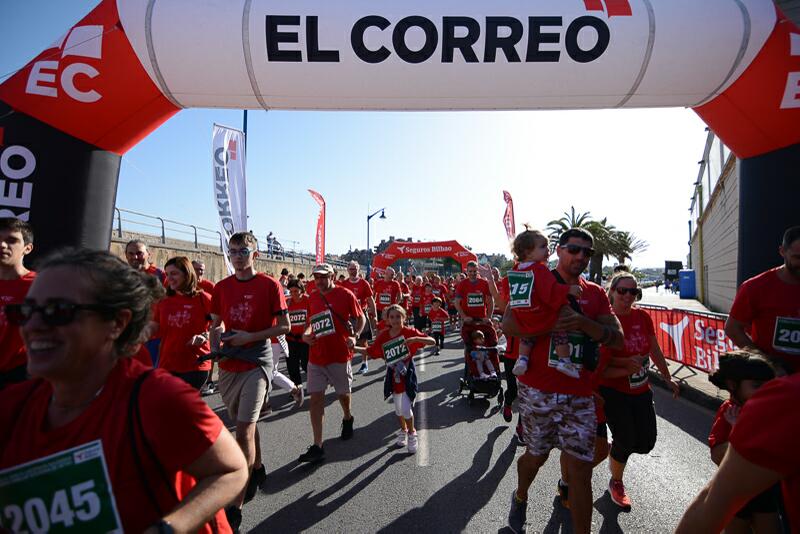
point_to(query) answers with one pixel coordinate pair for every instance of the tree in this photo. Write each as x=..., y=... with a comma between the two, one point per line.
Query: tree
x=605, y=245
x=629, y=245
x=568, y=220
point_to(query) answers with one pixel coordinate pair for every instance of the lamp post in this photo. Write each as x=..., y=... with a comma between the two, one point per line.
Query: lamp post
x=369, y=217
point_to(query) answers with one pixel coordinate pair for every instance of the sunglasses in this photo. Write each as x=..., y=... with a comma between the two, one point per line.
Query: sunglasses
x=633, y=291
x=239, y=252
x=54, y=312
x=575, y=249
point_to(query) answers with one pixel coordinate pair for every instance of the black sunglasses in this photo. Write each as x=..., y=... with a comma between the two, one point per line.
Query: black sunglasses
x=54, y=312
x=575, y=249
x=634, y=291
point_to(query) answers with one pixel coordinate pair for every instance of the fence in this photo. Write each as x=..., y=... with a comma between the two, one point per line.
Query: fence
x=692, y=338
x=168, y=231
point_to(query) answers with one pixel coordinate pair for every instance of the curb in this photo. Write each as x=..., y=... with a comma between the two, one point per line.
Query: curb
x=689, y=393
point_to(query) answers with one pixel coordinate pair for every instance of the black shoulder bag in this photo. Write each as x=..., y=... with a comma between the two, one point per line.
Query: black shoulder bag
x=590, y=350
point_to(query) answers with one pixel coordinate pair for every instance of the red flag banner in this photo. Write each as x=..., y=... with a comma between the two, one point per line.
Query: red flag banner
x=508, y=217
x=695, y=339
x=320, y=226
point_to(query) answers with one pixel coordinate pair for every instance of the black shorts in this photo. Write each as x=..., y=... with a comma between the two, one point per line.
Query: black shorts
x=764, y=503
x=366, y=334
x=602, y=431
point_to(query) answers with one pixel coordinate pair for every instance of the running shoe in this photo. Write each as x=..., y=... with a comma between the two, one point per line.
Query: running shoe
x=234, y=516
x=313, y=455
x=520, y=368
x=563, y=493
x=402, y=439
x=298, y=396
x=507, y=415
x=257, y=477
x=363, y=369
x=347, y=428
x=617, y=491
x=412, y=442
x=518, y=514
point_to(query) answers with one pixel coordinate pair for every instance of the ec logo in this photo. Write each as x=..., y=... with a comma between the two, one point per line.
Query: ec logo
x=83, y=41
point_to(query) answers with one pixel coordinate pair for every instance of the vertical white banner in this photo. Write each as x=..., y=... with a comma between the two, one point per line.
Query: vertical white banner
x=230, y=184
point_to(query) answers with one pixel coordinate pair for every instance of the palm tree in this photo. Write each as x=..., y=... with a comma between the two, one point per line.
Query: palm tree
x=629, y=245
x=568, y=220
x=605, y=245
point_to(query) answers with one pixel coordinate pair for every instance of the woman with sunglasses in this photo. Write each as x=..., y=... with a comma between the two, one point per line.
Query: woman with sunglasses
x=181, y=320
x=628, y=399
x=96, y=441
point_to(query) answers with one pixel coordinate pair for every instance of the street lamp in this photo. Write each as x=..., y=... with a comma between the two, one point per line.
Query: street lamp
x=369, y=217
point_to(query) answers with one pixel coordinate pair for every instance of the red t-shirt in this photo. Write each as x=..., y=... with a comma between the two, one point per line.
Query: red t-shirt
x=541, y=375
x=12, y=350
x=439, y=316
x=143, y=356
x=638, y=329
x=386, y=293
x=360, y=288
x=771, y=308
x=330, y=327
x=179, y=319
x=425, y=304
x=311, y=286
x=440, y=291
x=540, y=301
x=721, y=429
x=249, y=305
x=416, y=294
x=474, y=297
x=178, y=426
x=298, y=315
x=206, y=285
x=766, y=435
x=376, y=350
x=158, y=273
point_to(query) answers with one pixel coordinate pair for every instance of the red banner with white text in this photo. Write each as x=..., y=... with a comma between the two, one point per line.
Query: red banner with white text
x=695, y=339
x=508, y=217
x=320, y=226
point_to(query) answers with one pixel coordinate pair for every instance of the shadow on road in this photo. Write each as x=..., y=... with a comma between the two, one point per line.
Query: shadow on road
x=690, y=418
x=462, y=497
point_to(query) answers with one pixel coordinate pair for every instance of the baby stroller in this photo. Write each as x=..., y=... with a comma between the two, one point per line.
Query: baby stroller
x=478, y=383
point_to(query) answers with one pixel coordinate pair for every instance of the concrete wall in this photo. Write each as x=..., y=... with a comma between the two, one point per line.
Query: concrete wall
x=211, y=256
x=719, y=249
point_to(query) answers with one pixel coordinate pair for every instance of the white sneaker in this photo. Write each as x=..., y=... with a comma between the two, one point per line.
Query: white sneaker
x=412, y=443
x=492, y=375
x=402, y=435
x=520, y=368
x=483, y=376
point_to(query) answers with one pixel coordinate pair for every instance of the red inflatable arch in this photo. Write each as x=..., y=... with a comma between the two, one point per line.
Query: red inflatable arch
x=67, y=117
x=400, y=250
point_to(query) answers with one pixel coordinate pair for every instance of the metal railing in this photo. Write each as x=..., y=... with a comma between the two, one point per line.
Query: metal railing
x=131, y=221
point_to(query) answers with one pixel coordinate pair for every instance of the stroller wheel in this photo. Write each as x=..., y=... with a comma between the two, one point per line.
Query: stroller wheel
x=460, y=385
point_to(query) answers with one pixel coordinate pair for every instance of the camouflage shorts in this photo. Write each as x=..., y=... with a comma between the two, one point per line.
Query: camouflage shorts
x=557, y=421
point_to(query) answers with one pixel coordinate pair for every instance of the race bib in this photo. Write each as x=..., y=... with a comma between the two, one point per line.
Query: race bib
x=520, y=288
x=395, y=350
x=427, y=309
x=298, y=317
x=640, y=378
x=65, y=492
x=787, y=335
x=416, y=298
x=474, y=300
x=576, y=340
x=322, y=324
x=385, y=299
x=437, y=326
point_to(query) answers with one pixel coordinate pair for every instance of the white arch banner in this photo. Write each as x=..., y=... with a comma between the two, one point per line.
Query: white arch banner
x=453, y=54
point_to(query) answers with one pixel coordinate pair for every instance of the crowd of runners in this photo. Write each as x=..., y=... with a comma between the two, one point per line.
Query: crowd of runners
x=94, y=349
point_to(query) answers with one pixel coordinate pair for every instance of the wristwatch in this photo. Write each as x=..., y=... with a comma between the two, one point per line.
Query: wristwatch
x=164, y=527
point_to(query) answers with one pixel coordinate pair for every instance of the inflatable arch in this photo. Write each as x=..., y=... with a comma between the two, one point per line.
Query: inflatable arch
x=400, y=250
x=67, y=118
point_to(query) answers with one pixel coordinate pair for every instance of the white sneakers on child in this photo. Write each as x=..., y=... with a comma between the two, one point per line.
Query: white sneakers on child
x=402, y=436
x=520, y=367
x=412, y=443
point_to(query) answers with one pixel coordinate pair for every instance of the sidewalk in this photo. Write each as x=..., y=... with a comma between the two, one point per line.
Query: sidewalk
x=694, y=383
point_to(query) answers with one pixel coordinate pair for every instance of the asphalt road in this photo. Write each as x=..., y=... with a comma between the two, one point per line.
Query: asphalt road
x=462, y=477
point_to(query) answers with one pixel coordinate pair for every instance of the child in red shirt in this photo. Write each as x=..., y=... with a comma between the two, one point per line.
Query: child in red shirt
x=534, y=289
x=438, y=321
x=742, y=373
x=397, y=345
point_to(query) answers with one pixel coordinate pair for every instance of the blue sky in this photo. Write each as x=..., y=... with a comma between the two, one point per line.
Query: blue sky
x=439, y=175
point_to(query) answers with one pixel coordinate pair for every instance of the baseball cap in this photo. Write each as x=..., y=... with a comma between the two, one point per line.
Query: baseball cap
x=323, y=268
